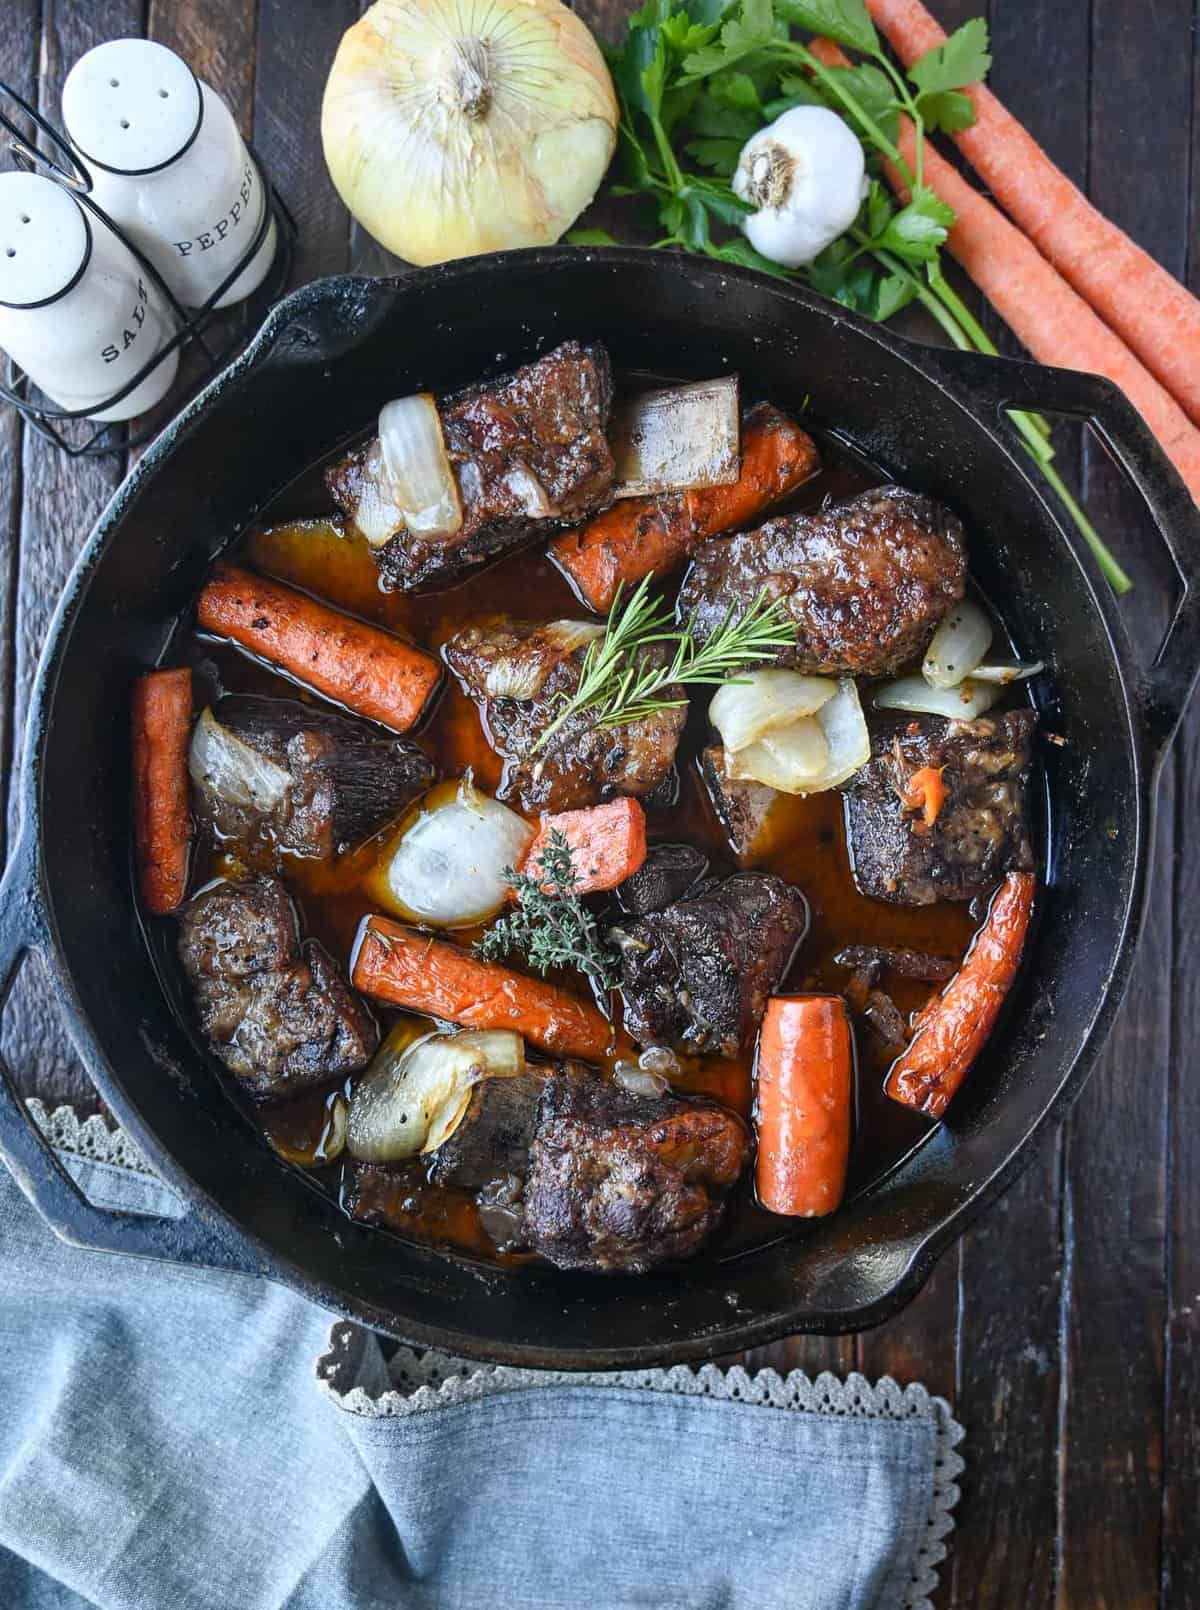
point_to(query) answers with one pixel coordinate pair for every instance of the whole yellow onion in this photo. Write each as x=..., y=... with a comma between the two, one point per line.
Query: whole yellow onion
x=453, y=127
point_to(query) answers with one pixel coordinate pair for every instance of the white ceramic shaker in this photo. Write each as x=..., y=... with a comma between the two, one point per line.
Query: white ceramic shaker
x=77, y=310
x=169, y=167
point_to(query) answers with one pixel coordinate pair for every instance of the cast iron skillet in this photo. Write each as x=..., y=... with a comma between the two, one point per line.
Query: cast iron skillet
x=318, y=371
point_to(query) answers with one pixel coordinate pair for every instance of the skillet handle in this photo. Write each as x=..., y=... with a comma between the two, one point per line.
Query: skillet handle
x=1006, y=383
x=198, y=1237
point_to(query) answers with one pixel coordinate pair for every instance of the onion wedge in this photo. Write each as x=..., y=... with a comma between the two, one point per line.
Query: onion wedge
x=677, y=438
x=958, y=646
x=962, y=703
x=415, y=1093
x=812, y=755
x=750, y=706
x=419, y=474
x=446, y=865
x=1003, y=672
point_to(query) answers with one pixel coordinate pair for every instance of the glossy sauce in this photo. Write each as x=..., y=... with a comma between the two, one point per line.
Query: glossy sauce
x=807, y=846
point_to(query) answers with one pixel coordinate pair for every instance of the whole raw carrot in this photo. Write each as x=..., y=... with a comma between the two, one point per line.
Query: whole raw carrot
x=1035, y=301
x=607, y=843
x=366, y=669
x=1155, y=315
x=951, y=1030
x=802, y=1113
x=640, y=536
x=162, y=822
x=409, y=969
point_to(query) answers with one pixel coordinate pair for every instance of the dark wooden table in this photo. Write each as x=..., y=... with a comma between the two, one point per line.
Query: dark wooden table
x=1065, y=1327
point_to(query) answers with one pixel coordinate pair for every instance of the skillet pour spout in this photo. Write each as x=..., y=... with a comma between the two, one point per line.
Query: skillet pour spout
x=316, y=374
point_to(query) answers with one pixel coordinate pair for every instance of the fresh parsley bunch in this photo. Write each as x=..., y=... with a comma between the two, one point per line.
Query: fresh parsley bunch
x=696, y=79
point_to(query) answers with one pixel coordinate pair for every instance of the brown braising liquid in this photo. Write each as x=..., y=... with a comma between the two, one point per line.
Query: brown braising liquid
x=807, y=847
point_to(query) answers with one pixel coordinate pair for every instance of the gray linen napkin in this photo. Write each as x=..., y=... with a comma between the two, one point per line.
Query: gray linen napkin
x=172, y=1439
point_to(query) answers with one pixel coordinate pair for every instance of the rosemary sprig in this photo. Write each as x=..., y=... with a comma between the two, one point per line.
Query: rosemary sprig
x=551, y=927
x=620, y=681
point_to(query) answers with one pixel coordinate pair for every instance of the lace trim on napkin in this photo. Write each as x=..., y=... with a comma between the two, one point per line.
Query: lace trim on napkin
x=88, y=1137
x=421, y=1381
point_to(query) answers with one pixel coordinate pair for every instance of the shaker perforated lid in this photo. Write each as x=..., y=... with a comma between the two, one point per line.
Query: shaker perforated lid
x=131, y=106
x=45, y=240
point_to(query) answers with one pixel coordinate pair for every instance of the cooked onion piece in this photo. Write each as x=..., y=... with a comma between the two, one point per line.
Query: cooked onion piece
x=521, y=673
x=446, y=865
x=222, y=765
x=812, y=755
x=1003, y=672
x=683, y=436
x=958, y=646
x=759, y=702
x=419, y=473
x=415, y=1093
x=962, y=703
x=787, y=760
x=377, y=514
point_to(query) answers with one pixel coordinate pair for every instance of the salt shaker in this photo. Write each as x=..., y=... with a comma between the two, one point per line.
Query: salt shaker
x=77, y=311
x=169, y=167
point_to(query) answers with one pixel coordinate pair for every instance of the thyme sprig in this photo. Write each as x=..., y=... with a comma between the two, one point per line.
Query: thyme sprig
x=551, y=927
x=622, y=683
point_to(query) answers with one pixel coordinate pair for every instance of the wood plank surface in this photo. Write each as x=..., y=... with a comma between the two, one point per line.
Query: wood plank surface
x=1065, y=1326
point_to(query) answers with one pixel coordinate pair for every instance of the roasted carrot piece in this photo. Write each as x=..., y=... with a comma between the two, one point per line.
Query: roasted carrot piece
x=409, y=969
x=162, y=823
x=366, y=669
x=607, y=843
x=925, y=791
x=1148, y=308
x=950, y=1032
x=640, y=536
x=805, y=1078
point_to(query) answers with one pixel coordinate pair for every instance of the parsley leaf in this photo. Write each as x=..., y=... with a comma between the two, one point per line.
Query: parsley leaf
x=741, y=252
x=718, y=154
x=962, y=60
x=918, y=230
x=894, y=293
x=748, y=31
x=946, y=109
x=847, y=21
x=880, y=209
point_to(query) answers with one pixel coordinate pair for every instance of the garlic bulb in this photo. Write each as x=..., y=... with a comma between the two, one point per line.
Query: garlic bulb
x=453, y=127
x=806, y=176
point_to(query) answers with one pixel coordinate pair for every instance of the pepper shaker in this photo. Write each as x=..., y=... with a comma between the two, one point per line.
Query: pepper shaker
x=77, y=311
x=169, y=167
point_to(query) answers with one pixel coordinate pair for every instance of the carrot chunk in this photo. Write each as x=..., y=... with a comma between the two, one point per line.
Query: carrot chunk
x=162, y=823
x=925, y=791
x=409, y=969
x=641, y=536
x=951, y=1030
x=805, y=1079
x=366, y=669
x=607, y=843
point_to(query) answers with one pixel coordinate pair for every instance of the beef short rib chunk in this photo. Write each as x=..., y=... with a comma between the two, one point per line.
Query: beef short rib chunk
x=865, y=582
x=530, y=454
x=982, y=829
x=346, y=779
x=696, y=976
x=619, y=1183
x=669, y=872
x=742, y=806
x=583, y=764
x=492, y=1139
x=279, y=1014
